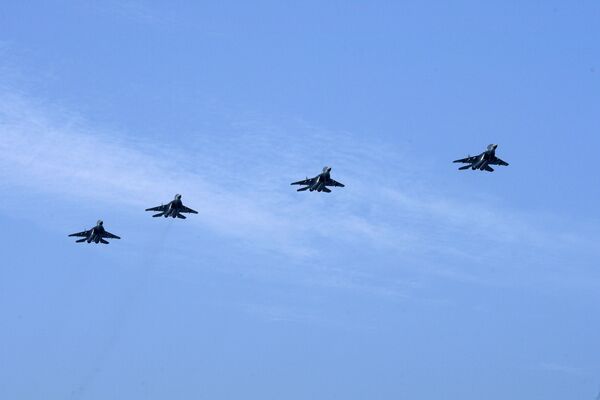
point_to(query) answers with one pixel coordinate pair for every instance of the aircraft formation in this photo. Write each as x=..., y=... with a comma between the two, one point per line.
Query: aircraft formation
x=320, y=183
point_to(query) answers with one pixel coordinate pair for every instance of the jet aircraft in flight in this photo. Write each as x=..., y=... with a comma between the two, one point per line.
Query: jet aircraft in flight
x=173, y=209
x=483, y=161
x=97, y=235
x=319, y=182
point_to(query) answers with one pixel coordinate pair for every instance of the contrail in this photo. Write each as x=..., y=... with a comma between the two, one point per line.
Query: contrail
x=150, y=260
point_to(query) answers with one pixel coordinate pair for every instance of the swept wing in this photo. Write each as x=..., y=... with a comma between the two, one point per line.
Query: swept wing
x=331, y=182
x=469, y=160
x=109, y=235
x=80, y=234
x=185, y=209
x=498, y=161
x=159, y=208
x=305, y=182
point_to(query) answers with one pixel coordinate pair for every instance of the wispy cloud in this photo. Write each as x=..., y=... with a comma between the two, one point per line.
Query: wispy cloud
x=132, y=10
x=64, y=157
x=240, y=184
x=560, y=368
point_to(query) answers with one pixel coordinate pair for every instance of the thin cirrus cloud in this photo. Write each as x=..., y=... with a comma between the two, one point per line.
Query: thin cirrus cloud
x=240, y=183
x=560, y=368
x=58, y=155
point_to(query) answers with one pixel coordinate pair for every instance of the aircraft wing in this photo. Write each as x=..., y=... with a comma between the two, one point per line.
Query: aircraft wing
x=185, y=209
x=498, y=161
x=468, y=160
x=80, y=234
x=109, y=235
x=159, y=208
x=331, y=182
x=304, y=182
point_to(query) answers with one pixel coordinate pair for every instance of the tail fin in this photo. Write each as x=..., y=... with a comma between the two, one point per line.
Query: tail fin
x=465, y=167
x=103, y=241
x=81, y=240
x=180, y=216
x=158, y=215
x=303, y=189
x=326, y=190
x=489, y=169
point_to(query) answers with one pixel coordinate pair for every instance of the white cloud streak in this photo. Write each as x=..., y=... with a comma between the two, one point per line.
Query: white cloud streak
x=560, y=368
x=240, y=185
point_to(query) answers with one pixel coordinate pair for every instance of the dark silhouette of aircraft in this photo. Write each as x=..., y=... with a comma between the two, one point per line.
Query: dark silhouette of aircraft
x=483, y=161
x=319, y=183
x=97, y=235
x=173, y=209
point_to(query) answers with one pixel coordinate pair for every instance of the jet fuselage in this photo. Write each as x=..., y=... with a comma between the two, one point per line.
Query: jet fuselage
x=96, y=233
x=174, y=207
x=485, y=158
x=321, y=180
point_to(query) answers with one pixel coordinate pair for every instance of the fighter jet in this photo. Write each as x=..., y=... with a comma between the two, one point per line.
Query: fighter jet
x=172, y=209
x=319, y=182
x=483, y=161
x=97, y=235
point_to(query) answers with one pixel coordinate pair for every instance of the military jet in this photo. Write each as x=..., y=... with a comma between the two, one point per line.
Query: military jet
x=319, y=182
x=173, y=209
x=483, y=161
x=97, y=235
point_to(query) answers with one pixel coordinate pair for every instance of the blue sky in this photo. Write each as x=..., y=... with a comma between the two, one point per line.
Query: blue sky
x=415, y=281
